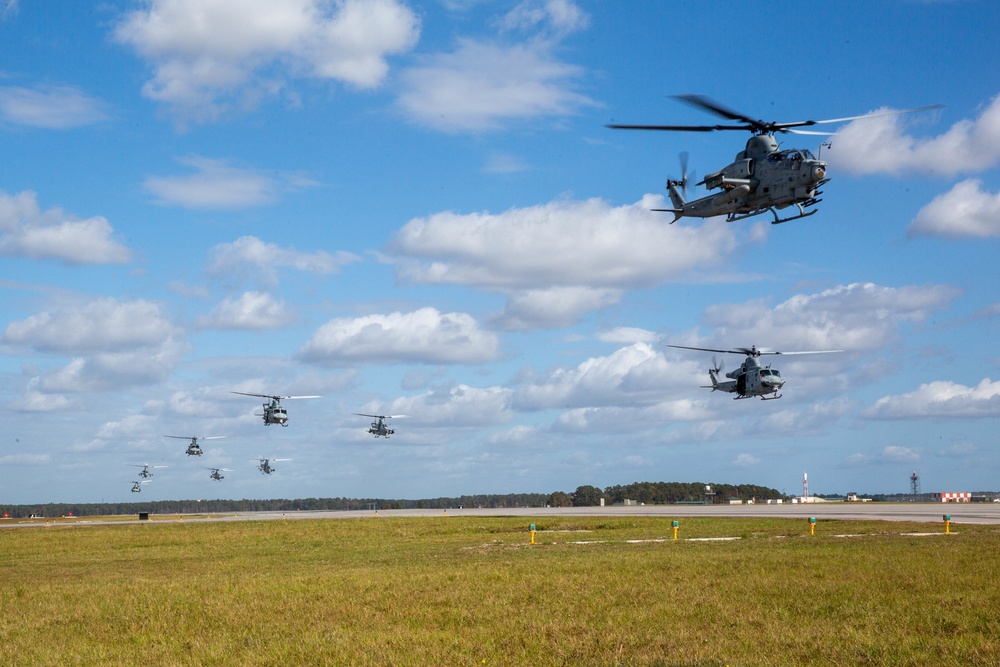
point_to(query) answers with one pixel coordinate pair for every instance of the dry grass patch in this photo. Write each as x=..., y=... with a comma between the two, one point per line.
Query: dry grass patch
x=455, y=590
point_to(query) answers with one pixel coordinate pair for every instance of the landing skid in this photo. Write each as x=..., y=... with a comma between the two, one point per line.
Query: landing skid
x=776, y=396
x=732, y=217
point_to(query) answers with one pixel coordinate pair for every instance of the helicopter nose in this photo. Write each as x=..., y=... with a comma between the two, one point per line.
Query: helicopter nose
x=819, y=171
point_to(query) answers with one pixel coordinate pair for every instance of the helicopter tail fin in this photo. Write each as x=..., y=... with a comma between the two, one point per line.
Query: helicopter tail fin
x=676, y=211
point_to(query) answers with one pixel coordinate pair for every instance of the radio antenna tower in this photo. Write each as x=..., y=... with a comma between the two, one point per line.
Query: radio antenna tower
x=915, y=484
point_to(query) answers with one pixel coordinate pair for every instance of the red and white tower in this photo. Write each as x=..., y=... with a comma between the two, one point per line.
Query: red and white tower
x=805, y=485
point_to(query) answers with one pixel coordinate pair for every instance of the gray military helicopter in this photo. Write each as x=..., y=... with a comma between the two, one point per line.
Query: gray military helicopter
x=264, y=465
x=750, y=379
x=274, y=412
x=137, y=485
x=380, y=428
x=216, y=473
x=193, y=448
x=762, y=178
x=145, y=472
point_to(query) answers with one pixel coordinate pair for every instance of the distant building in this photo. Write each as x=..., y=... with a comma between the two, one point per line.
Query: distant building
x=957, y=497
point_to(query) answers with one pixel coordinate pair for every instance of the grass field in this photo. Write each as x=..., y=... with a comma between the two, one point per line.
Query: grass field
x=472, y=591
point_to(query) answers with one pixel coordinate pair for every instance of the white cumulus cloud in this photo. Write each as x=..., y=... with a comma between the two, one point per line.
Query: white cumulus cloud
x=480, y=87
x=636, y=374
x=248, y=257
x=218, y=185
x=51, y=107
x=102, y=325
x=558, y=259
x=940, y=399
x=210, y=55
x=859, y=316
x=881, y=145
x=27, y=231
x=425, y=335
x=251, y=311
x=965, y=211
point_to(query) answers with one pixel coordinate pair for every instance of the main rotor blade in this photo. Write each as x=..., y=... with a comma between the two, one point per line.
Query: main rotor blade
x=680, y=128
x=707, y=349
x=874, y=114
x=713, y=106
x=243, y=393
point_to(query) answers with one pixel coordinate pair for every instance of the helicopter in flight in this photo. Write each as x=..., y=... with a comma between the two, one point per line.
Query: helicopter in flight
x=379, y=427
x=264, y=465
x=137, y=485
x=145, y=472
x=274, y=412
x=750, y=379
x=762, y=178
x=216, y=473
x=193, y=448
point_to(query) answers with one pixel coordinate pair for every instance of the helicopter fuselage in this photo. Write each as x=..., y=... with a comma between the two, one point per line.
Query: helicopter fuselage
x=749, y=380
x=760, y=179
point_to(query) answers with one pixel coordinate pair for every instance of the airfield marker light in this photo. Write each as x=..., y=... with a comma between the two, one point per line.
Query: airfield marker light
x=812, y=526
x=676, y=526
x=532, y=529
x=947, y=524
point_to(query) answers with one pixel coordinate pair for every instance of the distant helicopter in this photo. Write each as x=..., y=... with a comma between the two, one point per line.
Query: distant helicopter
x=144, y=473
x=264, y=465
x=193, y=449
x=273, y=413
x=380, y=428
x=137, y=486
x=761, y=178
x=750, y=379
x=216, y=473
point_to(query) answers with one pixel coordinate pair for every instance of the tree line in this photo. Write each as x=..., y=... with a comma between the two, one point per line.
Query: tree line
x=648, y=493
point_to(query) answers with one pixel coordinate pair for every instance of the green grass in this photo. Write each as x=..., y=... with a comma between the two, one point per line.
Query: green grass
x=472, y=591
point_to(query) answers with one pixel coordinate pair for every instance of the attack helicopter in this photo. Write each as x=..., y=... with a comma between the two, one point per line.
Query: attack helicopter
x=137, y=485
x=274, y=412
x=216, y=473
x=762, y=178
x=380, y=428
x=145, y=472
x=264, y=465
x=193, y=448
x=750, y=379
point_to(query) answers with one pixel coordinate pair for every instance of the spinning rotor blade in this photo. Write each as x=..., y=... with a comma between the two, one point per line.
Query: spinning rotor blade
x=272, y=396
x=755, y=126
x=804, y=352
x=705, y=103
x=243, y=393
x=751, y=351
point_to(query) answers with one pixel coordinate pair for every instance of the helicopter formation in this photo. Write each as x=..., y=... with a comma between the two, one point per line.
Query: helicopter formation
x=273, y=413
x=762, y=178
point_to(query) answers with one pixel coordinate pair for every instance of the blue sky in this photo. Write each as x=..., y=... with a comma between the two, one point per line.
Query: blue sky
x=415, y=208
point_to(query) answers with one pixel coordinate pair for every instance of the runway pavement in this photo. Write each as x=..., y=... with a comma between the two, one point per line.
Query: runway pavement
x=967, y=513
x=980, y=513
